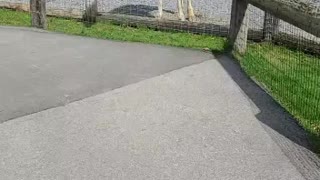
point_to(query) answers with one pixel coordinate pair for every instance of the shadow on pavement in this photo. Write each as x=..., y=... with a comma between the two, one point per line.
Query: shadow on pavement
x=278, y=123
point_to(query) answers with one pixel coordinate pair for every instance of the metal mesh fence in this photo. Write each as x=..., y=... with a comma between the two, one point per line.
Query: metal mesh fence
x=286, y=62
x=210, y=17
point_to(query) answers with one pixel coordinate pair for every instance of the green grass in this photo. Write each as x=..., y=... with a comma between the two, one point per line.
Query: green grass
x=14, y=18
x=292, y=77
x=110, y=31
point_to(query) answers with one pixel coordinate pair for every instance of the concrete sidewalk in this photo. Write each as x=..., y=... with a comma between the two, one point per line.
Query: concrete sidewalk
x=44, y=70
x=191, y=123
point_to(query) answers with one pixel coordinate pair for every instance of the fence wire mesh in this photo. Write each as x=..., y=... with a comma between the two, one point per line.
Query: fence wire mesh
x=286, y=62
x=210, y=17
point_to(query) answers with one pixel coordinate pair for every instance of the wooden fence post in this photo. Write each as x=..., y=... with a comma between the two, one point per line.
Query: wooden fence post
x=238, y=34
x=270, y=26
x=38, y=13
x=91, y=11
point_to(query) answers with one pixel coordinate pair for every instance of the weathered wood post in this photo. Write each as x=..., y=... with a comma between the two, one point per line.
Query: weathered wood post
x=238, y=34
x=91, y=11
x=270, y=26
x=38, y=13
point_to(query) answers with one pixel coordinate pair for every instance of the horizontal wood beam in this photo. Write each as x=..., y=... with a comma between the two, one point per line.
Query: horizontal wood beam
x=300, y=13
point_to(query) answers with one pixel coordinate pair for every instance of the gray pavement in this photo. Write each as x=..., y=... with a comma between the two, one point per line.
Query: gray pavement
x=195, y=122
x=43, y=70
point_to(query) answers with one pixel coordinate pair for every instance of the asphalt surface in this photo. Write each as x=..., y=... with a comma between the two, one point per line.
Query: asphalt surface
x=44, y=70
x=149, y=118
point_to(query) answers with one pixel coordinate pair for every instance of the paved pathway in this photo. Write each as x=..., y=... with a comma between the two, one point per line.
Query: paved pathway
x=42, y=70
x=146, y=116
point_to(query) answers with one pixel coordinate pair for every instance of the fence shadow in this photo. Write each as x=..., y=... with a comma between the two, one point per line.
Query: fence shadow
x=278, y=123
x=137, y=10
x=271, y=113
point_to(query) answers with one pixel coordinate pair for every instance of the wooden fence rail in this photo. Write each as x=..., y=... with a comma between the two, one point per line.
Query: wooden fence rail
x=297, y=12
x=300, y=13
